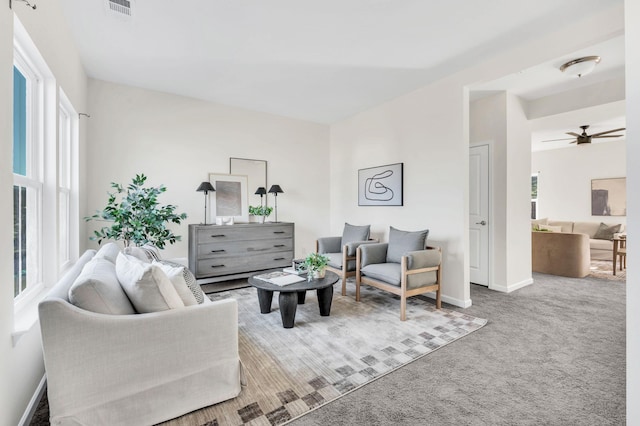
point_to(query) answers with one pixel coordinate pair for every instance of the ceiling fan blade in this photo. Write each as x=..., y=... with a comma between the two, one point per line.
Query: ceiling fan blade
x=608, y=131
x=575, y=141
x=607, y=136
x=554, y=140
x=574, y=134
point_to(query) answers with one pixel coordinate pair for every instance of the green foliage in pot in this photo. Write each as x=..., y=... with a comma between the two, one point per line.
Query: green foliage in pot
x=260, y=210
x=315, y=262
x=137, y=216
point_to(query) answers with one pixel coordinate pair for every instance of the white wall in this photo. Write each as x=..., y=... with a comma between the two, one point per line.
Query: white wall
x=178, y=141
x=21, y=368
x=564, y=183
x=632, y=32
x=428, y=138
x=499, y=121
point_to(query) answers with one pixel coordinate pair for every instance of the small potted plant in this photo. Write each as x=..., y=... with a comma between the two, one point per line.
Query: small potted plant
x=260, y=212
x=315, y=264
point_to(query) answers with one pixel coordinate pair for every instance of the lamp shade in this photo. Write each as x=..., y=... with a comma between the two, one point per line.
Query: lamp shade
x=206, y=187
x=275, y=189
x=261, y=191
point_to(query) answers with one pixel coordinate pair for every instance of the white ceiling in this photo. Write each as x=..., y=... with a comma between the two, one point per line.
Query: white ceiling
x=315, y=60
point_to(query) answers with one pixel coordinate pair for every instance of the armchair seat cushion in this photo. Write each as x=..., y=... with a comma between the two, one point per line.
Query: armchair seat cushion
x=335, y=260
x=390, y=273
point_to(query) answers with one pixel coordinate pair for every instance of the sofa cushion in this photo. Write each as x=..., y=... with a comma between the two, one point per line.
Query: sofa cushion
x=108, y=251
x=387, y=272
x=353, y=233
x=589, y=228
x=605, y=232
x=146, y=285
x=186, y=278
x=601, y=245
x=566, y=226
x=97, y=289
x=536, y=222
x=402, y=242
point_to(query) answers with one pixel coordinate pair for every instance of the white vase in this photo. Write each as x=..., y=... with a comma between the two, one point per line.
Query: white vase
x=260, y=219
x=315, y=274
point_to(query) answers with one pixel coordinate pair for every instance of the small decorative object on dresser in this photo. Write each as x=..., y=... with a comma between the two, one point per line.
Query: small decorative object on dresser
x=221, y=253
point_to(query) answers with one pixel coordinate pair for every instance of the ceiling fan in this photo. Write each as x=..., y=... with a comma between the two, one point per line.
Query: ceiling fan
x=585, y=138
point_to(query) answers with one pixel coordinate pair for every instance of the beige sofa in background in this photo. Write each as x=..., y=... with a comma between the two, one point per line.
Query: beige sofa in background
x=600, y=249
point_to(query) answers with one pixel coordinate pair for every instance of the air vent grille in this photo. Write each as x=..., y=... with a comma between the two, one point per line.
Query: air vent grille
x=120, y=6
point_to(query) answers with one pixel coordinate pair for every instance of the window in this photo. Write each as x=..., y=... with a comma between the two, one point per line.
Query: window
x=534, y=196
x=67, y=205
x=27, y=177
x=45, y=175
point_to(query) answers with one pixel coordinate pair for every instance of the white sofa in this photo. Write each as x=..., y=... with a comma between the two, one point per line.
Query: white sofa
x=600, y=249
x=136, y=369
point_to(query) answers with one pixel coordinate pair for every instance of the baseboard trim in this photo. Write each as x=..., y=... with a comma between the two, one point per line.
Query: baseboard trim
x=33, y=403
x=450, y=300
x=512, y=287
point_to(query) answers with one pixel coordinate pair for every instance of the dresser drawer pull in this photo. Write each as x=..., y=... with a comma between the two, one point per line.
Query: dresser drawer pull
x=279, y=245
x=278, y=232
x=218, y=236
x=279, y=258
x=217, y=266
x=218, y=251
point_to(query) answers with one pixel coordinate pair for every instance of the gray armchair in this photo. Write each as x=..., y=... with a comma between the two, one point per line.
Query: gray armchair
x=396, y=268
x=341, y=251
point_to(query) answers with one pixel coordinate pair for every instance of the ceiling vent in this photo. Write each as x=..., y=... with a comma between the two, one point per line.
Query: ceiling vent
x=119, y=7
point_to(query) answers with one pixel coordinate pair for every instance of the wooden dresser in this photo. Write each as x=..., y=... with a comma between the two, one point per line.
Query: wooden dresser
x=225, y=252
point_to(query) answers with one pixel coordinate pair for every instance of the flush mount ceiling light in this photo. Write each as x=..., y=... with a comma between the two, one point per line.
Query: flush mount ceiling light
x=581, y=66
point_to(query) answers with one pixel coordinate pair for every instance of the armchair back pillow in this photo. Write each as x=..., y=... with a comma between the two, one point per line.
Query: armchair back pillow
x=402, y=242
x=353, y=233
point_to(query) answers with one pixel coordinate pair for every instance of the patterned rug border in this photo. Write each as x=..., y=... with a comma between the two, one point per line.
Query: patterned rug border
x=486, y=321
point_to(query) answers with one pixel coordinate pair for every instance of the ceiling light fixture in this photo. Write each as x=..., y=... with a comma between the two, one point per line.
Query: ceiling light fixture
x=581, y=66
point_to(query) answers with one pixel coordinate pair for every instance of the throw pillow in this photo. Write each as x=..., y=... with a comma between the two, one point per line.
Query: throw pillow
x=605, y=232
x=353, y=233
x=549, y=228
x=97, y=289
x=536, y=222
x=176, y=275
x=146, y=253
x=147, y=286
x=401, y=242
x=108, y=251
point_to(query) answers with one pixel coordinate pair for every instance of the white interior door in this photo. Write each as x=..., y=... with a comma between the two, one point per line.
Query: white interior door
x=479, y=214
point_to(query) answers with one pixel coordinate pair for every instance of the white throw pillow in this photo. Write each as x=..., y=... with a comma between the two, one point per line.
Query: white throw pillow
x=108, y=251
x=176, y=276
x=148, y=287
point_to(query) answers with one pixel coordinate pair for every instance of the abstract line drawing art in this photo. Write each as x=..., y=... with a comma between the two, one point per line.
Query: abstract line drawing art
x=380, y=186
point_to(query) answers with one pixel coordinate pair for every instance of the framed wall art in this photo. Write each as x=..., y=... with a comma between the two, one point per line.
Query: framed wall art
x=609, y=197
x=230, y=198
x=381, y=186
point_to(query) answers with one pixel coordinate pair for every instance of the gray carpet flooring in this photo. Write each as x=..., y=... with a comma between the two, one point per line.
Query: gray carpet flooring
x=553, y=353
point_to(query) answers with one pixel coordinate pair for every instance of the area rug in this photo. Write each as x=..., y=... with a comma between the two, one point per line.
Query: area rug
x=604, y=269
x=293, y=371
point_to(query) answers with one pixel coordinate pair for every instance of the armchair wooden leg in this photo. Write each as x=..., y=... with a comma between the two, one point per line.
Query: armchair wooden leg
x=403, y=308
x=438, y=300
x=344, y=284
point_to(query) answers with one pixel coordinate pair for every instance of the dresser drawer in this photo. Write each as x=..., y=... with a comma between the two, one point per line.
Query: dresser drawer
x=246, y=248
x=227, y=264
x=231, y=233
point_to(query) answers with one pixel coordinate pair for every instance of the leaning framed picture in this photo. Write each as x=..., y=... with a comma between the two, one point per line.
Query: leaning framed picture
x=381, y=185
x=609, y=197
x=230, y=199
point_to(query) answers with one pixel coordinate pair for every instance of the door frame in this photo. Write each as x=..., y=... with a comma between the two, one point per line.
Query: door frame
x=489, y=144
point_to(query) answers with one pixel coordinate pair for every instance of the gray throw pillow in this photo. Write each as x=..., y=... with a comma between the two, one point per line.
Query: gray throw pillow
x=353, y=233
x=605, y=232
x=402, y=242
x=189, y=279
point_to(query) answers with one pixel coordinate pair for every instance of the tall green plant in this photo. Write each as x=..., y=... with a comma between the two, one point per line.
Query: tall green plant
x=138, y=218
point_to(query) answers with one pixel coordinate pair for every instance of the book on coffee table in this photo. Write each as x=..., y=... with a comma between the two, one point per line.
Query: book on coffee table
x=280, y=278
